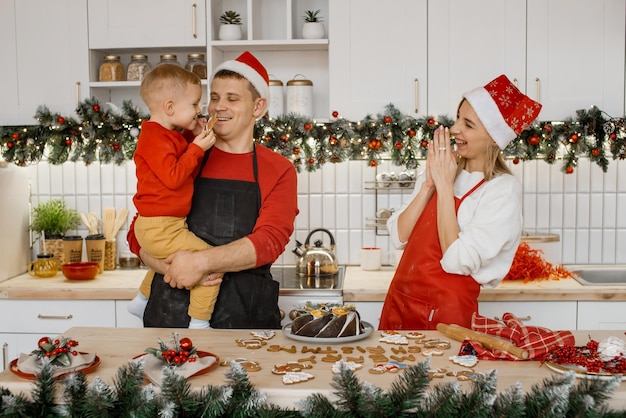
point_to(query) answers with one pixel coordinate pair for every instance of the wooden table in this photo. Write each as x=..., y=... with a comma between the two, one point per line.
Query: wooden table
x=115, y=346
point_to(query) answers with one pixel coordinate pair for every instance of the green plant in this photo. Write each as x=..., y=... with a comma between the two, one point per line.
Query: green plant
x=311, y=16
x=54, y=218
x=230, y=17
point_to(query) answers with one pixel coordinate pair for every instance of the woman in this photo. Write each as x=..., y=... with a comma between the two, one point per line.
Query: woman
x=462, y=225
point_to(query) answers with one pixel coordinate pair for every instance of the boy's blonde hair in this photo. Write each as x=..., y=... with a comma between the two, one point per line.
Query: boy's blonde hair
x=165, y=81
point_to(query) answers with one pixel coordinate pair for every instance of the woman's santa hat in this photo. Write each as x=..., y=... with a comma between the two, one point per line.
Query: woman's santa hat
x=503, y=110
x=249, y=67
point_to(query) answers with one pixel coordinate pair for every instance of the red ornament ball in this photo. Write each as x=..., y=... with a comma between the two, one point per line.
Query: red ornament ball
x=534, y=140
x=60, y=120
x=595, y=152
x=411, y=133
x=68, y=141
x=398, y=145
x=373, y=163
x=96, y=108
x=310, y=161
x=116, y=147
x=569, y=169
x=307, y=126
x=15, y=136
x=284, y=138
x=332, y=140
x=42, y=341
x=547, y=127
x=612, y=136
x=573, y=138
x=515, y=160
x=387, y=119
x=268, y=138
x=185, y=343
x=335, y=114
x=296, y=150
x=430, y=122
x=10, y=145
x=374, y=144
x=424, y=144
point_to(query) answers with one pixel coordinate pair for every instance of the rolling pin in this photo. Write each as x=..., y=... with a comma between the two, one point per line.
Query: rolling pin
x=460, y=333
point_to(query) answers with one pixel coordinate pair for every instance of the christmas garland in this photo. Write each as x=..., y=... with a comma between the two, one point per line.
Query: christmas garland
x=110, y=135
x=411, y=395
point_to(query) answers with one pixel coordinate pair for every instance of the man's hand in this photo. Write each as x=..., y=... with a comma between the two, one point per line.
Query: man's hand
x=185, y=271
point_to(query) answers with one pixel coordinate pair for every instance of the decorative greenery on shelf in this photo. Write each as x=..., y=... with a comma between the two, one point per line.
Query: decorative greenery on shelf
x=110, y=135
x=230, y=17
x=54, y=218
x=410, y=395
x=311, y=16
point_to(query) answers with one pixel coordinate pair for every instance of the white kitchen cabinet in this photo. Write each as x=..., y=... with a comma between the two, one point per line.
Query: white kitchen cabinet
x=46, y=58
x=601, y=315
x=576, y=56
x=378, y=55
x=123, y=318
x=369, y=312
x=549, y=314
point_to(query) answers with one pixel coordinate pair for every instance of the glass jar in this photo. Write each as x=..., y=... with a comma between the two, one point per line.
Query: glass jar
x=169, y=58
x=197, y=65
x=112, y=69
x=138, y=67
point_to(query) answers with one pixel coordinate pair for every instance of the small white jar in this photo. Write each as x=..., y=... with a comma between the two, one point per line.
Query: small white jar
x=277, y=102
x=300, y=96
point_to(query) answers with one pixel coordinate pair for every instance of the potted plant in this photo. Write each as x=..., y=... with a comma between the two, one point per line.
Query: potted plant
x=230, y=28
x=313, y=28
x=53, y=219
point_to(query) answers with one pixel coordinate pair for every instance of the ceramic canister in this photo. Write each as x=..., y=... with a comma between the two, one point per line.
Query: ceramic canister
x=277, y=103
x=300, y=96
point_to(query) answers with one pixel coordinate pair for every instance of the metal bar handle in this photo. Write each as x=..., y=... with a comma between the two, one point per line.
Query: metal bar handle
x=77, y=90
x=515, y=82
x=40, y=316
x=5, y=355
x=417, y=94
x=523, y=318
x=194, y=31
x=538, y=81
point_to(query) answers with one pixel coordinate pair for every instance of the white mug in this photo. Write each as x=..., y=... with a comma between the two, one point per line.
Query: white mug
x=371, y=258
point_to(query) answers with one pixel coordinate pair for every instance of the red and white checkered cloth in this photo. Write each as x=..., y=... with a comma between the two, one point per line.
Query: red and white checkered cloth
x=537, y=341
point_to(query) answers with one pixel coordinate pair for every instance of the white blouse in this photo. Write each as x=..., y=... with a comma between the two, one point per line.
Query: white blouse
x=490, y=227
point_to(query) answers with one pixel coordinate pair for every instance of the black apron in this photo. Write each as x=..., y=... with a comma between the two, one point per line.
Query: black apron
x=222, y=211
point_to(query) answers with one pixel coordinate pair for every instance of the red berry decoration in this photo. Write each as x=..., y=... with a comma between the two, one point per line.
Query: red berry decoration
x=573, y=138
x=430, y=122
x=178, y=352
x=10, y=145
x=307, y=126
x=534, y=140
x=411, y=133
x=374, y=144
x=268, y=138
x=310, y=161
x=515, y=160
x=424, y=144
x=60, y=120
x=58, y=351
x=332, y=140
x=569, y=169
x=612, y=136
x=387, y=119
x=398, y=145
x=96, y=108
x=284, y=138
x=547, y=127
x=68, y=142
x=335, y=114
x=42, y=341
x=116, y=147
x=373, y=163
x=595, y=152
x=15, y=136
x=296, y=150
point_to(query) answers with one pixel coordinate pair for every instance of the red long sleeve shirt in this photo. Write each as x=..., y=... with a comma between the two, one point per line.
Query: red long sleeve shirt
x=166, y=166
x=279, y=197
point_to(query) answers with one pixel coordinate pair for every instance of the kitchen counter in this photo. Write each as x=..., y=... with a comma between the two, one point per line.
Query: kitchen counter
x=371, y=286
x=115, y=346
x=359, y=286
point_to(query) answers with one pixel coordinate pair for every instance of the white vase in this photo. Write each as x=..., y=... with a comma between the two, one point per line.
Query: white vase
x=230, y=32
x=313, y=30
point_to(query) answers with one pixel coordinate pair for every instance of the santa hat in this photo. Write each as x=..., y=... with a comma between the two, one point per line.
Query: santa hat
x=249, y=67
x=503, y=110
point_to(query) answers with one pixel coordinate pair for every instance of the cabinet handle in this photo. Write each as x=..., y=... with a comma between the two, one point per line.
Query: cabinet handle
x=40, y=316
x=523, y=318
x=194, y=8
x=515, y=82
x=538, y=81
x=417, y=94
x=5, y=355
x=77, y=90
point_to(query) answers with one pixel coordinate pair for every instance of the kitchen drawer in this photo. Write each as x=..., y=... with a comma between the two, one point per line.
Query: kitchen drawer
x=551, y=315
x=123, y=318
x=55, y=316
x=601, y=315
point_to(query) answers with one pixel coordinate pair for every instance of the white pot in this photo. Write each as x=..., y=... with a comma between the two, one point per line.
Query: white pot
x=230, y=32
x=313, y=30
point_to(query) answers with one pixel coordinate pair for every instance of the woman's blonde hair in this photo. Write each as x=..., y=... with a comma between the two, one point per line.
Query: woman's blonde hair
x=494, y=163
x=164, y=81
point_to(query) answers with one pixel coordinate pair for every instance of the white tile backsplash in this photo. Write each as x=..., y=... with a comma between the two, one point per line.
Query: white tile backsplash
x=587, y=209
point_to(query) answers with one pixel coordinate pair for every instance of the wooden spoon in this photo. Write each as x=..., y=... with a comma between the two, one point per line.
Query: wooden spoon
x=119, y=221
x=108, y=222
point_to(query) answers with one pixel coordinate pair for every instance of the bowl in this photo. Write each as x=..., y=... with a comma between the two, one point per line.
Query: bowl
x=84, y=270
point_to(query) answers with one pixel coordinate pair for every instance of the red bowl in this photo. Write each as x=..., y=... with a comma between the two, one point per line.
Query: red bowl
x=85, y=270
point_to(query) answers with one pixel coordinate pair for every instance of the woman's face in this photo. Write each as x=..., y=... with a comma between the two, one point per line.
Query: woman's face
x=471, y=137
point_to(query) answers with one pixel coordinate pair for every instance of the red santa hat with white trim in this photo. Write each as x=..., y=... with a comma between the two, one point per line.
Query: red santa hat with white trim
x=248, y=66
x=503, y=110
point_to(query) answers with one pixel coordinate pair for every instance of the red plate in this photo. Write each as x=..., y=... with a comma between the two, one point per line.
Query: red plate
x=200, y=354
x=31, y=376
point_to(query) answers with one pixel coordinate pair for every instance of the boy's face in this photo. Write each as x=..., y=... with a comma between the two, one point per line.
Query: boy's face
x=186, y=107
x=233, y=104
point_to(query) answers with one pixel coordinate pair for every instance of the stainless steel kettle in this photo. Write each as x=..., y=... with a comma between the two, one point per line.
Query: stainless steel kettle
x=316, y=260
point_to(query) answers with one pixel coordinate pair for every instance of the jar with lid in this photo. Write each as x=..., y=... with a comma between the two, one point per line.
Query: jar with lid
x=300, y=96
x=197, y=65
x=169, y=58
x=276, y=106
x=138, y=67
x=112, y=69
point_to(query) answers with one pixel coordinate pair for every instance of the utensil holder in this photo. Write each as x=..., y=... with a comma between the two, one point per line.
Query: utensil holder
x=110, y=254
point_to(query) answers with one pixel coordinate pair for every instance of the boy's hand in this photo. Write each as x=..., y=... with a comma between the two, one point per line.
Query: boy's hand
x=206, y=138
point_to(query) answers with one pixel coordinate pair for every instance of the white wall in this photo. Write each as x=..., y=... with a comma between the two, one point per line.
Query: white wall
x=587, y=209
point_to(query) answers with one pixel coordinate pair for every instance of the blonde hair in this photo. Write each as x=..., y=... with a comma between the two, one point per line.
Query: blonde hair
x=494, y=163
x=165, y=81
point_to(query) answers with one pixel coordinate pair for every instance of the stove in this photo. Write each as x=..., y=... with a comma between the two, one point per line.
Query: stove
x=295, y=291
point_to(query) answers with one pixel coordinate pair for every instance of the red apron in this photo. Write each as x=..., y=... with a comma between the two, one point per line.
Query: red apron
x=421, y=294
